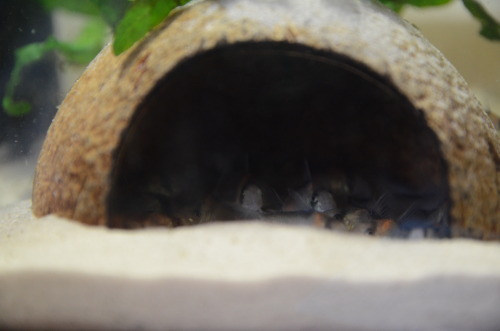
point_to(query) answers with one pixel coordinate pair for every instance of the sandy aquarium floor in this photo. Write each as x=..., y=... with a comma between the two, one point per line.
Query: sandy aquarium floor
x=59, y=274
x=16, y=178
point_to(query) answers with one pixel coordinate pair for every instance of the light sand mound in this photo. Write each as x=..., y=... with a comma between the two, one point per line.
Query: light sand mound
x=56, y=273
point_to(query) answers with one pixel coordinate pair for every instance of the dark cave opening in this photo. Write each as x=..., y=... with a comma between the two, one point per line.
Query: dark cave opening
x=282, y=119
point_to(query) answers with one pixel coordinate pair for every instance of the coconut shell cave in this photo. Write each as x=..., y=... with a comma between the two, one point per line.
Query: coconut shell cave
x=274, y=97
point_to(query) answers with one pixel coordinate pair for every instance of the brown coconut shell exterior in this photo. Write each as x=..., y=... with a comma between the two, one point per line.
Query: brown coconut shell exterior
x=73, y=171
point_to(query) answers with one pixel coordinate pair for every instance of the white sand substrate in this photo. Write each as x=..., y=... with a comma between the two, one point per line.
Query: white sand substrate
x=59, y=274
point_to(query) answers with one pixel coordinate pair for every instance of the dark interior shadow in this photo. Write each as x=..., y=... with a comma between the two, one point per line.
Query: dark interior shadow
x=281, y=114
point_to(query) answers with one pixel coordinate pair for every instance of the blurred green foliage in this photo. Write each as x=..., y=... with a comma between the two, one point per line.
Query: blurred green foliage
x=111, y=11
x=81, y=50
x=490, y=28
x=397, y=5
x=131, y=20
x=141, y=18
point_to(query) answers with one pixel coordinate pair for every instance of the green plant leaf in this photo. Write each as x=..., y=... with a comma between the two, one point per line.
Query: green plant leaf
x=135, y=24
x=86, y=46
x=24, y=56
x=82, y=50
x=397, y=5
x=141, y=18
x=490, y=28
x=112, y=11
x=15, y=108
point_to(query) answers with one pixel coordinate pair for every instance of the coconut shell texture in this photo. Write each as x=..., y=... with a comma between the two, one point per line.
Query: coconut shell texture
x=73, y=172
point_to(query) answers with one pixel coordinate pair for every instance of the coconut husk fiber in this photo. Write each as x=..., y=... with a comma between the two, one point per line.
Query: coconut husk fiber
x=74, y=176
